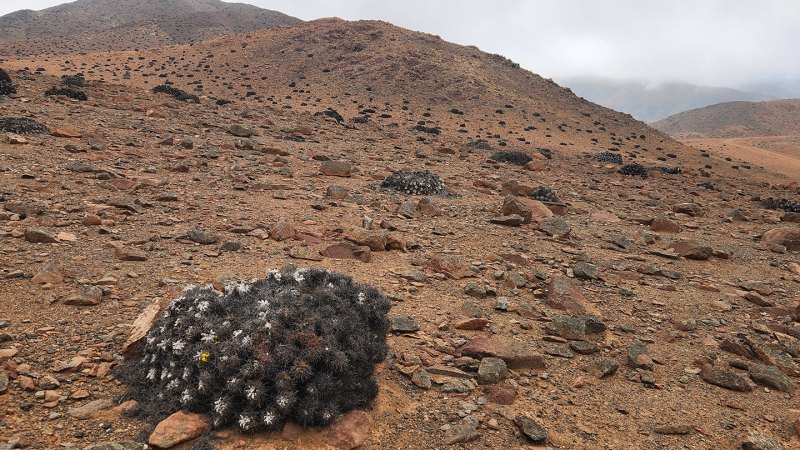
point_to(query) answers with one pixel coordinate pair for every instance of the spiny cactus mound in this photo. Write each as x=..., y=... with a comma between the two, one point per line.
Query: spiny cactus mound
x=76, y=80
x=298, y=345
x=781, y=203
x=177, y=93
x=4, y=77
x=67, y=92
x=545, y=194
x=22, y=125
x=515, y=158
x=414, y=183
x=608, y=157
x=633, y=170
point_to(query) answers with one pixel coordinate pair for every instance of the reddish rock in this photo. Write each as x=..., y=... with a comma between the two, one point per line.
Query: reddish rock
x=49, y=275
x=788, y=237
x=516, y=355
x=92, y=220
x=65, y=133
x=665, y=225
x=126, y=254
x=282, y=231
x=178, y=428
x=563, y=295
x=530, y=210
x=124, y=184
x=501, y=394
x=473, y=323
x=349, y=431
x=336, y=168
x=690, y=209
x=133, y=347
x=39, y=236
x=87, y=296
x=376, y=240
x=347, y=250
x=692, y=249
x=450, y=266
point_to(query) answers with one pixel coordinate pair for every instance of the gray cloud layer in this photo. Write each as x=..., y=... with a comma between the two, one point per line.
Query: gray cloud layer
x=711, y=42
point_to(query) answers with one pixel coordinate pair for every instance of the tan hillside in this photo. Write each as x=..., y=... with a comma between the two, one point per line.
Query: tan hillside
x=556, y=304
x=736, y=120
x=103, y=25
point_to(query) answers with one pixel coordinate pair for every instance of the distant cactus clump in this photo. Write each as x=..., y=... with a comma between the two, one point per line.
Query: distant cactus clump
x=298, y=345
x=67, y=92
x=633, y=170
x=608, y=157
x=21, y=125
x=414, y=183
x=76, y=80
x=545, y=194
x=782, y=203
x=515, y=158
x=177, y=93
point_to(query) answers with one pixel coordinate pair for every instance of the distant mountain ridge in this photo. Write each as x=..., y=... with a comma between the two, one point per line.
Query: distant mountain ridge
x=650, y=103
x=736, y=119
x=113, y=25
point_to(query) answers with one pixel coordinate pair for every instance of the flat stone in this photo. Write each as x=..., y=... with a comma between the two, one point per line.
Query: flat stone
x=404, y=324
x=516, y=355
x=422, y=379
x=673, y=429
x=202, y=237
x=555, y=226
x=664, y=225
x=563, y=295
x=349, y=431
x=512, y=220
x=348, y=250
x=690, y=209
x=770, y=377
x=178, y=428
x=585, y=271
x=461, y=433
x=40, y=236
x=724, y=378
x=692, y=250
x=336, y=168
x=529, y=209
x=788, y=237
x=531, y=429
x=501, y=394
x=119, y=445
x=240, y=131
x=604, y=367
x=86, y=296
x=473, y=324
x=86, y=411
x=759, y=441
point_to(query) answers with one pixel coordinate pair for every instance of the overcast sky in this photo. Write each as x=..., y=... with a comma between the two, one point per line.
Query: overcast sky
x=712, y=42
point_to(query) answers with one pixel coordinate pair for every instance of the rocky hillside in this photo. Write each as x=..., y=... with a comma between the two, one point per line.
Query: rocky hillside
x=559, y=274
x=103, y=25
x=736, y=119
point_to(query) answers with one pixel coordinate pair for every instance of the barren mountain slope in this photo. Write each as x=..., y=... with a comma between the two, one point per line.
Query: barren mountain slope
x=393, y=75
x=658, y=312
x=103, y=25
x=735, y=120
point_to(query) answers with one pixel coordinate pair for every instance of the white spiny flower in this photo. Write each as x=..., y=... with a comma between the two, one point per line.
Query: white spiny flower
x=186, y=397
x=186, y=373
x=282, y=401
x=172, y=385
x=152, y=374
x=247, y=341
x=361, y=298
x=268, y=419
x=178, y=346
x=263, y=304
x=245, y=422
x=243, y=288
x=220, y=406
x=163, y=375
x=203, y=306
x=237, y=333
x=251, y=393
x=208, y=337
x=273, y=273
x=298, y=276
x=188, y=288
x=201, y=386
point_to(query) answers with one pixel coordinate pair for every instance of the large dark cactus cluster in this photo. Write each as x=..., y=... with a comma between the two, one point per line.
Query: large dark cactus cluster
x=6, y=86
x=414, y=183
x=299, y=345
